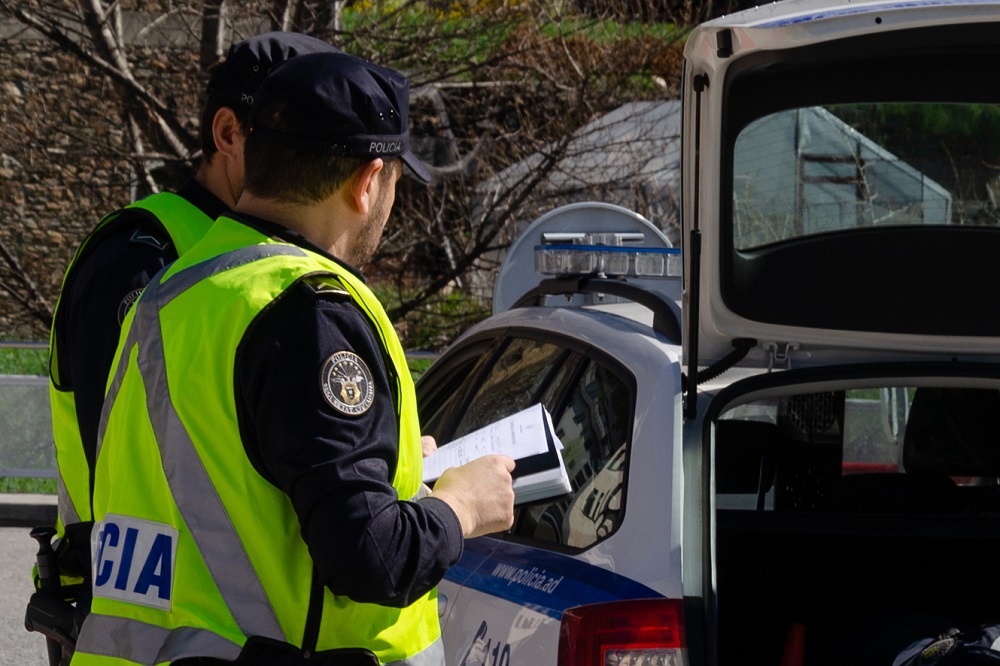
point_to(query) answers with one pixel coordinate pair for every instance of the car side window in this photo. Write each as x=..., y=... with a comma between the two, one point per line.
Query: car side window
x=591, y=409
x=515, y=382
x=594, y=425
x=439, y=405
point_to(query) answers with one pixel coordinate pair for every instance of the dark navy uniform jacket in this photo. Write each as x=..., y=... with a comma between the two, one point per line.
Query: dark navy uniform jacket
x=337, y=469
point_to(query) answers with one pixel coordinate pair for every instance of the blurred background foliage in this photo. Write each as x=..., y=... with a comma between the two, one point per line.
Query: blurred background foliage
x=103, y=99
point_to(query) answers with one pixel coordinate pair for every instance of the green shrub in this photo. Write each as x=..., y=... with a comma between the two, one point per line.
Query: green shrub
x=18, y=361
x=434, y=324
x=20, y=485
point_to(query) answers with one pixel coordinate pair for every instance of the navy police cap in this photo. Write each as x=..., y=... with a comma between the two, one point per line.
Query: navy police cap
x=337, y=104
x=236, y=79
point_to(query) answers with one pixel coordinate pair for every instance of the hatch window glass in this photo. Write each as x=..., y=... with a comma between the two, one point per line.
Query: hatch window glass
x=819, y=169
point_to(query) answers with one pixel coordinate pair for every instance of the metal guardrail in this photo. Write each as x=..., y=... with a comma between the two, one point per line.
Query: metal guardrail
x=27, y=449
x=26, y=445
x=8, y=344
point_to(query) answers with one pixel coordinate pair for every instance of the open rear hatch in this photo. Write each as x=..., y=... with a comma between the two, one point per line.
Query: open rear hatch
x=841, y=211
x=842, y=184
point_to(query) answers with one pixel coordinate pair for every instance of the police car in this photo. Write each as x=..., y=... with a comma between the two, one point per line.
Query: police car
x=800, y=464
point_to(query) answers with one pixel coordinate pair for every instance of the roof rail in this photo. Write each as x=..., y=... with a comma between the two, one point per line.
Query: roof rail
x=666, y=313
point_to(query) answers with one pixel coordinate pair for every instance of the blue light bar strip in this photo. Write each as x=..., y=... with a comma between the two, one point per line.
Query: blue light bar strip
x=608, y=248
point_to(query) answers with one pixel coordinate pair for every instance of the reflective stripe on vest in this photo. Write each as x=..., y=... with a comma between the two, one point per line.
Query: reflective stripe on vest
x=218, y=542
x=145, y=643
x=150, y=644
x=208, y=523
x=185, y=223
x=433, y=655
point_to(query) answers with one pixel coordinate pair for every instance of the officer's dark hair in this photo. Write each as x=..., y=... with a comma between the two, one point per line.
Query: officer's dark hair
x=289, y=175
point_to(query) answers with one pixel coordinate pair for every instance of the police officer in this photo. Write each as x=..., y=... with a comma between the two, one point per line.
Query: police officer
x=120, y=256
x=258, y=490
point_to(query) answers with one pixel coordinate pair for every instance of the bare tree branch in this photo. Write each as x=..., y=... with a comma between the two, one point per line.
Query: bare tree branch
x=35, y=303
x=212, y=33
x=107, y=39
x=180, y=140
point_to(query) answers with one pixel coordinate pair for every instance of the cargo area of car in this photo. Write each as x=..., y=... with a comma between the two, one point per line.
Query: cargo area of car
x=853, y=555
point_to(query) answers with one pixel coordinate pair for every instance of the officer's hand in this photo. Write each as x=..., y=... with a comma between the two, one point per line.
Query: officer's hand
x=428, y=444
x=480, y=493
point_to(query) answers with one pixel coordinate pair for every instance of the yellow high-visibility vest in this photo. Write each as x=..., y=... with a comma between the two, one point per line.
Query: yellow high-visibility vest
x=195, y=552
x=185, y=223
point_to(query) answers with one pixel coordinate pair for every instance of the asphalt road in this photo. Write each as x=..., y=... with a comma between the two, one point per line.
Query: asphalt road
x=17, y=646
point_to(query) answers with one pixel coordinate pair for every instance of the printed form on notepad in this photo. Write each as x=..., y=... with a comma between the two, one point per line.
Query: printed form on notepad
x=522, y=435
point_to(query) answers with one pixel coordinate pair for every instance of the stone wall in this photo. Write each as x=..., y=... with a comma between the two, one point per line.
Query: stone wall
x=62, y=161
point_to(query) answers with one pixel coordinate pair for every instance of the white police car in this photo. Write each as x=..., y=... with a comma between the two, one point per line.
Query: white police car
x=803, y=468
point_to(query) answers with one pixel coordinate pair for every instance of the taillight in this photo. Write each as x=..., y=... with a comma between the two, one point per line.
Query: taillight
x=637, y=632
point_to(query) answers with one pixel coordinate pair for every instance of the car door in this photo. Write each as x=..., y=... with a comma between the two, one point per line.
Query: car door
x=502, y=602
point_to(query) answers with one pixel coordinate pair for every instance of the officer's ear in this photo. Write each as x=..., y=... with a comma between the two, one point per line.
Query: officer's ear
x=228, y=134
x=365, y=185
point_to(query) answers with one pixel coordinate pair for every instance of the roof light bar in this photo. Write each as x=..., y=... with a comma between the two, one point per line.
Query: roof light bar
x=574, y=259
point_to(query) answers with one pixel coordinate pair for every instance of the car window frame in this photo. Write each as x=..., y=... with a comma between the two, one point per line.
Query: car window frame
x=493, y=343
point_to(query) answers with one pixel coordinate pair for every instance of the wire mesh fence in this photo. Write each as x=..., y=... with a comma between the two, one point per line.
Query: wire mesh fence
x=26, y=444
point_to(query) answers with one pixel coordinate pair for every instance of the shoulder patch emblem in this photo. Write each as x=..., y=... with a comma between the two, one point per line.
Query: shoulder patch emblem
x=347, y=384
x=147, y=238
x=127, y=303
x=322, y=287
